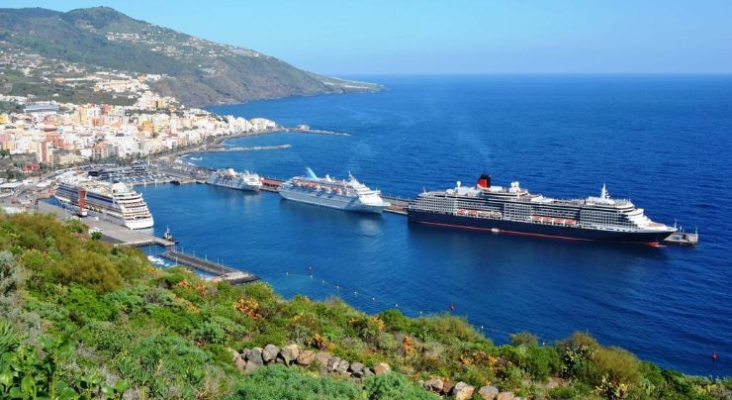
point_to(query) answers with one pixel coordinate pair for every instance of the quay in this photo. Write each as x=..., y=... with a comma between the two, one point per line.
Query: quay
x=221, y=272
x=111, y=232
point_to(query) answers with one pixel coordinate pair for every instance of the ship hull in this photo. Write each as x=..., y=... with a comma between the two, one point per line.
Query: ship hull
x=651, y=238
x=331, y=200
x=238, y=184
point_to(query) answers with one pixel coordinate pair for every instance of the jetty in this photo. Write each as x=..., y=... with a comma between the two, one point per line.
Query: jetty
x=220, y=271
x=112, y=232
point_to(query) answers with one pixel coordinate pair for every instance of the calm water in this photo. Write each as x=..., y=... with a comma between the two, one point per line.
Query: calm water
x=663, y=142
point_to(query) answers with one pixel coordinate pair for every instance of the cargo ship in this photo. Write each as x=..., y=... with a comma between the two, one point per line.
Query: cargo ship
x=348, y=195
x=114, y=201
x=235, y=180
x=513, y=210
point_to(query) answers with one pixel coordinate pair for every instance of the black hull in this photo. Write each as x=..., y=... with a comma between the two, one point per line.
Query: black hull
x=536, y=230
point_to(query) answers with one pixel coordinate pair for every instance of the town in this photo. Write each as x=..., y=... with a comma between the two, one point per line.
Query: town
x=42, y=132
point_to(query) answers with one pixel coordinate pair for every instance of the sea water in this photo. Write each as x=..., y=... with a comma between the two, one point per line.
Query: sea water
x=661, y=141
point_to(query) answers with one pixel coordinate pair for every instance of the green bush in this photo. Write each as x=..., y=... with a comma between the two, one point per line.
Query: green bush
x=395, y=387
x=278, y=382
x=562, y=393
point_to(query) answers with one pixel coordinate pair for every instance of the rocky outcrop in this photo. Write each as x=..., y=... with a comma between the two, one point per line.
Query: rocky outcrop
x=250, y=359
x=488, y=392
x=462, y=391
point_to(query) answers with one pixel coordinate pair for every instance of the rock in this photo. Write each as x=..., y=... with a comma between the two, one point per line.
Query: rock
x=306, y=358
x=356, y=369
x=251, y=366
x=322, y=358
x=447, y=387
x=488, y=392
x=462, y=391
x=245, y=353
x=270, y=352
x=332, y=364
x=434, y=385
x=382, y=368
x=234, y=354
x=367, y=372
x=289, y=353
x=506, y=396
x=240, y=363
x=255, y=356
x=343, y=367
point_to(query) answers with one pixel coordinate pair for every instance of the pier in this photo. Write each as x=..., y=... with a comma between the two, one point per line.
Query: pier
x=220, y=271
x=111, y=232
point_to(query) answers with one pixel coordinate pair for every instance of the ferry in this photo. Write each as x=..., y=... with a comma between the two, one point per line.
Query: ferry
x=235, y=180
x=348, y=195
x=513, y=210
x=115, y=201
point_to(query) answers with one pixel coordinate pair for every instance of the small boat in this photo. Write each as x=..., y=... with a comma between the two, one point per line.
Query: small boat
x=169, y=236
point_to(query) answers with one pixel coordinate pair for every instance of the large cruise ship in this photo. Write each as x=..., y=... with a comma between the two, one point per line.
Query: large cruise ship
x=349, y=195
x=514, y=210
x=115, y=201
x=235, y=180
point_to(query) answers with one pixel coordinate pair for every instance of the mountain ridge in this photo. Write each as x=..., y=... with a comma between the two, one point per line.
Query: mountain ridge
x=198, y=72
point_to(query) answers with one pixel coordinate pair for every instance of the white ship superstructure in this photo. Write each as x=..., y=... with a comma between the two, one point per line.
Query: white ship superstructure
x=115, y=201
x=235, y=180
x=349, y=195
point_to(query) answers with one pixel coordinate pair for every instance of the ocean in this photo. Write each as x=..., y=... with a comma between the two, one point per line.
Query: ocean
x=661, y=141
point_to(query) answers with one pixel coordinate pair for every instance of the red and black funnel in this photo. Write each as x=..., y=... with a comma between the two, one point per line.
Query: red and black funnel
x=484, y=181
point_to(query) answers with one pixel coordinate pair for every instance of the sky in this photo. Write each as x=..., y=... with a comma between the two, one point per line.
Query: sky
x=359, y=37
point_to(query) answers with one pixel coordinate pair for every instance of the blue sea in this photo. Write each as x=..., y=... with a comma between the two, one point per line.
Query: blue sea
x=664, y=142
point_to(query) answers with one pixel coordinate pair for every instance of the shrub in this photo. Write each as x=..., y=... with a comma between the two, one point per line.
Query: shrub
x=395, y=386
x=278, y=382
x=562, y=393
x=542, y=362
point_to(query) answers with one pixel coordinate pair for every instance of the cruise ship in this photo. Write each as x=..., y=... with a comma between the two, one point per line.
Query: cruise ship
x=513, y=210
x=349, y=195
x=235, y=180
x=115, y=201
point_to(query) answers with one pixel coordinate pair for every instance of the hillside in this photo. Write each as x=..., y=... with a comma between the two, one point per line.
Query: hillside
x=196, y=71
x=82, y=319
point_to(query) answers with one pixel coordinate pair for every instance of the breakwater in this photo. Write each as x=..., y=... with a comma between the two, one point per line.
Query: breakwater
x=219, y=271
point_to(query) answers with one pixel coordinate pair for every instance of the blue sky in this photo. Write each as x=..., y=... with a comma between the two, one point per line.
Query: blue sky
x=361, y=37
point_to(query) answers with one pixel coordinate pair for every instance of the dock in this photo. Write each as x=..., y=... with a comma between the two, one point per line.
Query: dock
x=220, y=271
x=111, y=232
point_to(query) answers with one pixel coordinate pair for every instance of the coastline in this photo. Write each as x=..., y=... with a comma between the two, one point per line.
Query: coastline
x=216, y=144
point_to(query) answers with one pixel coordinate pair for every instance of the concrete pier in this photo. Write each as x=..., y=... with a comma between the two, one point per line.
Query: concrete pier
x=111, y=232
x=221, y=272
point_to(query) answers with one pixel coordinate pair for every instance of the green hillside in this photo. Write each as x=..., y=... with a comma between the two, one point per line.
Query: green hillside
x=199, y=72
x=80, y=319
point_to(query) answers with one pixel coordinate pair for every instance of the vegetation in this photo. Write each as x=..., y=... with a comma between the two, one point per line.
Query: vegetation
x=82, y=319
x=199, y=72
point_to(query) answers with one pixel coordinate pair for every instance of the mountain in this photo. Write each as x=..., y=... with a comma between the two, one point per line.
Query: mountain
x=196, y=71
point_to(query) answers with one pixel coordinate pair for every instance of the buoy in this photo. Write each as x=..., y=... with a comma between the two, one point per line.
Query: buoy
x=714, y=356
x=452, y=306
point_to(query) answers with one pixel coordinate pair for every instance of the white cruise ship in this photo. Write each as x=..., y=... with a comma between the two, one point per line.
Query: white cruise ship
x=349, y=195
x=115, y=201
x=235, y=180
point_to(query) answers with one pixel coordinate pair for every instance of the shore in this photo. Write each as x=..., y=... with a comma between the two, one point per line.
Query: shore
x=216, y=144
